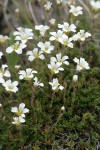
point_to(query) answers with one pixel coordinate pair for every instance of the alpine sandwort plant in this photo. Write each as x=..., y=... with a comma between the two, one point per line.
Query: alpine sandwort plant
x=49, y=77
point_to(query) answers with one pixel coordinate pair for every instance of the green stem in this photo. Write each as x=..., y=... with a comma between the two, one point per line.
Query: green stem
x=81, y=49
x=52, y=100
x=58, y=119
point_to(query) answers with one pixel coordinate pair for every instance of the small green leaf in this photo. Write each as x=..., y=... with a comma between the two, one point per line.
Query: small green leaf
x=12, y=60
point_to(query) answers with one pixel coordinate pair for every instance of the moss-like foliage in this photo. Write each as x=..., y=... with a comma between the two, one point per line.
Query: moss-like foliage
x=47, y=127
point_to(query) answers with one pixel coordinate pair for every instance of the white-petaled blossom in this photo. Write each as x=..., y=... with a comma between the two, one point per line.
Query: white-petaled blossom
x=55, y=67
x=95, y=5
x=10, y=86
x=52, y=21
x=37, y=82
x=59, y=59
x=42, y=29
x=35, y=54
x=3, y=39
x=55, y=85
x=20, y=111
x=81, y=64
x=1, y=54
x=18, y=120
x=23, y=34
x=46, y=47
x=76, y=10
x=47, y=6
x=1, y=80
x=56, y=35
x=59, y=2
x=17, y=47
x=81, y=36
x=27, y=75
x=4, y=71
x=66, y=41
x=67, y=28
x=75, y=78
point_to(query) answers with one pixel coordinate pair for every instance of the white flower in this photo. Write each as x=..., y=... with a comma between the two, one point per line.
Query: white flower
x=17, y=47
x=67, y=28
x=52, y=21
x=56, y=35
x=66, y=41
x=35, y=54
x=62, y=38
x=55, y=67
x=3, y=39
x=47, y=6
x=81, y=64
x=42, y=29
x=59, y=59
x=55, y=85
x=75, y=78
x=20, y=111
x=1, y=79
x=95, y=5
x=81, y=36
x=37, y=82
x=10, y=86
x=76, y=10
x=59, y=2
x=18, y=120
x=1, y=54
x=4, y=71
x=27, y=75
x=23, y=34
x=46, y=47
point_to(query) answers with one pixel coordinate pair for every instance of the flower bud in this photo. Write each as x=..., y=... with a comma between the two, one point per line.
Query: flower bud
x=75, y=78
x=59, y=2
x=52, y=22
x=17, y=12
x=63, y=109
x=17, y=66
x=0, y=105
x=71, y=2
